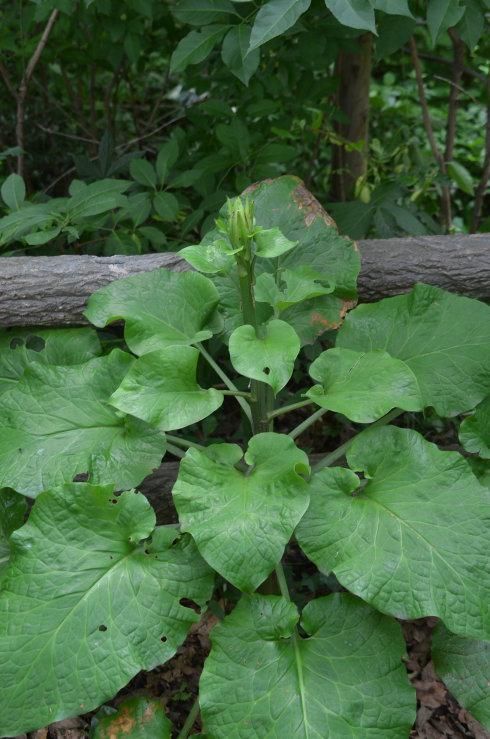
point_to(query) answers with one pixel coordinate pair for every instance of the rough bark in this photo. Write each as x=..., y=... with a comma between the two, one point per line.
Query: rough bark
x=354, y=73
x=53, y=291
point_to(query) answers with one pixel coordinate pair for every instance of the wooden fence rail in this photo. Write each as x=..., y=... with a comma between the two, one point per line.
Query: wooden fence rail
x=53, y=291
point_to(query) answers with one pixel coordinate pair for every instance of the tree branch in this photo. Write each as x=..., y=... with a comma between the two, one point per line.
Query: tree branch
x=24, y=85
x=436, y=153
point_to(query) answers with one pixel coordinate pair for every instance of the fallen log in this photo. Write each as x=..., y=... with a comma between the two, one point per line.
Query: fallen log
x=53, y=291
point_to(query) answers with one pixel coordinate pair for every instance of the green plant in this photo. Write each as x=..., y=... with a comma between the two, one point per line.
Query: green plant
x=93, y=591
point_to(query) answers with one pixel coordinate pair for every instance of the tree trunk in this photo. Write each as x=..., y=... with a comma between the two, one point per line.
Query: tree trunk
x=53, y=291
x=354, y=74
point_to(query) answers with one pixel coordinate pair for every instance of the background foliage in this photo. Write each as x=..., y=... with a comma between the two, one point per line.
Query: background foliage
x=184, y=103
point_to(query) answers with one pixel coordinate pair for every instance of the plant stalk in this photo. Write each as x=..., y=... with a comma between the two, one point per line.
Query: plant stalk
x=184, y=443
x=190, y=720
x=288, y=408
x=282, y=582
x=236, y=394
x=340, y=452
x=175, y=451
x=261, y=392
x=307, y=423
x=229, y=384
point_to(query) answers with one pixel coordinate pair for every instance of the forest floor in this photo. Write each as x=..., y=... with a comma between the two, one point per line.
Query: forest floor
x=439, y=716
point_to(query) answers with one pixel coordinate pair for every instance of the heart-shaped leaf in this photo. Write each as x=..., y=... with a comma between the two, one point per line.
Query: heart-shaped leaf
x=414, y=540
x=363, y=386
x=271, y=242
x=19, y=348
x=464, y=665
x=209, y=256
x=474, y=432
x=346, y=679
x=443, y=338
x=161, y=388
x=56, y=423
x=12, y=511
x=267, y=354
x=295, y=286
x=86, y=605
x=241, y=519
x=161, y=308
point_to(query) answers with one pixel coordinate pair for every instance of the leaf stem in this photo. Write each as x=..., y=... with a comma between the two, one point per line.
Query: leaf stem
x=190, y=720
x=175, y=451
x=282, y=582
x=288, y=408
x=229, y=384
x=307, y=423
x=340, y=452
x=237, y=394
x=184, y=443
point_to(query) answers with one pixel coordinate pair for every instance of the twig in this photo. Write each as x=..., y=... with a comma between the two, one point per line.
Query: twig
x=442, y=60
x=445, y=196
x=24, y=85
x=8, y=82
x=52, y=132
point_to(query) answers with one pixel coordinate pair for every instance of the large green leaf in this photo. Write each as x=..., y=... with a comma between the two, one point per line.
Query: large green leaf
x=202, y=12
x=271, y=242
x=394, y=7
x=19, y=348
x=290, y=286
x=267, y=354
x=196, y=46
x=464, y=665
x=28, y=218
x=414, y=540
x=353, y=13
x=274, y=18
x=13, y=191
x=137, y=717
x=241, y=519
x=85, y=605
x=161, y=388
x=345, y=680
x=443, y=338
x=56, y=423
x=12, y=511
x=209, y=256
x=474, y=432
x=161, y=308
x=441, y=15
x=96, y=198
x=363, y=386
x=284, y=203
x=236, y=55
